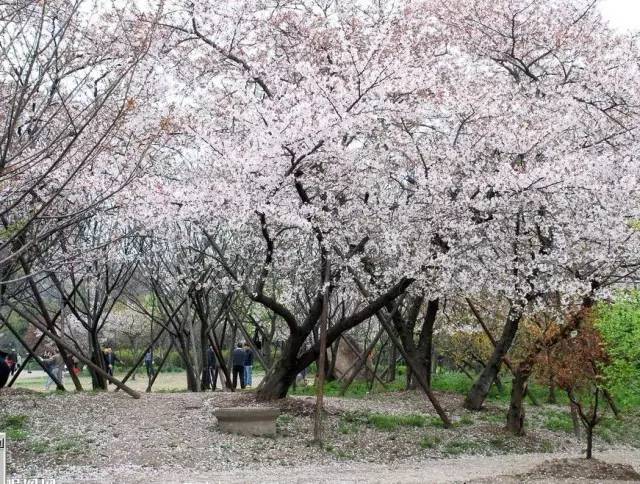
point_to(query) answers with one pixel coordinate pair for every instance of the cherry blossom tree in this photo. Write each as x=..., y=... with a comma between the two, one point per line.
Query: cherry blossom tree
x=442, y=148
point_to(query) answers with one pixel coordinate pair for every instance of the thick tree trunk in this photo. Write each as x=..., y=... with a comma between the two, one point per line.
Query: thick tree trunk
x=204, y=345
x=193, y=382
x=515, y=415
x=282, y=375
x=391, y=371
x=425, y=345
x=98, y=382
x=481, y=387
x=589, y=442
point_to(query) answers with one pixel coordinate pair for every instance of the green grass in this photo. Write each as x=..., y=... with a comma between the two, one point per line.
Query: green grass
x=558, y=421
x=449, y=381
x=358, y=389
x=14, y=426
x=58, y=446
x=625, y=431
x=39, y=447
x=430, y=442
x=466, y=420
x=14, y=421
x=392, y=422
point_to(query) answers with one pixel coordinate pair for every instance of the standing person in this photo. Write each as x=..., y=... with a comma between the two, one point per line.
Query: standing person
x=110, y=360
x=4, y=369
x=248, y=365
x=14, y=360
x=55, y=365
x=148, y=363
x=238, y=358
x=212, y=369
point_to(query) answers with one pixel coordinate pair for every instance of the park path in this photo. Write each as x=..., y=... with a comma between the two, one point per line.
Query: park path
x=494, y=469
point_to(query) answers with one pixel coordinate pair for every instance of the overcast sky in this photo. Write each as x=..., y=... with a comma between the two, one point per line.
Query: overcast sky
x=623, y=14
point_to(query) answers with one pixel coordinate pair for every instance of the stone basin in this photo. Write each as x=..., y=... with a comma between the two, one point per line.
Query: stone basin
x=247, y=420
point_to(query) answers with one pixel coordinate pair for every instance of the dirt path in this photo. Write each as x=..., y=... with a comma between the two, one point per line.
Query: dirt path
x=173, y=438
x=494, y=469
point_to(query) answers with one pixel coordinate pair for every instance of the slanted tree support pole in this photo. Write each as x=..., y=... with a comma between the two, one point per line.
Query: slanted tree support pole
x=225, y=370
x=505, y=359
x=317, y=427
x=386, y=324
x=359, y=363
x=31, y=352
x=157, y=372
x=86, y=361
x=142, y=355
x=58, y=383
x=160, y=333
x=248, y=339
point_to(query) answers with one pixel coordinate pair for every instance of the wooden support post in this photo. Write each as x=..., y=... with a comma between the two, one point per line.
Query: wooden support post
x=141, y=358
x=375, y=369
x=61, y=344
x=157, y=372
x=59, y=385
x=360, y=362
x=31, y=352
x=248, y=339
x=411, y=364
x=317, y=427
x=221, y=363
x=506, y=360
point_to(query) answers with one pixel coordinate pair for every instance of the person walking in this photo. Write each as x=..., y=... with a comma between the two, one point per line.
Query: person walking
x=238, y=357
x=148, y=363
x=248, y=365
x=212, y=369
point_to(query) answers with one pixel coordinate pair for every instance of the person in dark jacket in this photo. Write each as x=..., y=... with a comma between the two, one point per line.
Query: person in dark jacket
x=148, y=363
x=248, y=365
x=110, y=360
x=211, y=370
x=5, y=371
x=14, y=360
x=238, y=358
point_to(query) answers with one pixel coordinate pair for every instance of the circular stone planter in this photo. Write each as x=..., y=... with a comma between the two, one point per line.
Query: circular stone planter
x=247, y=420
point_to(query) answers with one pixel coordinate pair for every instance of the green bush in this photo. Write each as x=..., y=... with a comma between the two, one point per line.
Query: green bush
x=558, y=421
x=619, y=325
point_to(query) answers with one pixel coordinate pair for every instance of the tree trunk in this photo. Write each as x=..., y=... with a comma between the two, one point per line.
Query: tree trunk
x=193, y=383
x=425, y=345
x=481, y=387
x=276, y=383
x=515, y=415
x=589, y=442
x=97, y=381
x=391, y=371
x=204, y=345
x=283, y=372
x=552, y=392
x=575, y=419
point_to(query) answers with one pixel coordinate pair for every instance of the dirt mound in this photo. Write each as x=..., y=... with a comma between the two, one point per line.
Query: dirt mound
x=582, y=469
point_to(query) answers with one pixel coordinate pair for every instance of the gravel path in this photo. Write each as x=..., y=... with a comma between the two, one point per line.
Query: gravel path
x=166, y=438
x=494, y=469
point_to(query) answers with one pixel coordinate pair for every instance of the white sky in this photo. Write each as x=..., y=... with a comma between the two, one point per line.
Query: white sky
x=623, y=14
